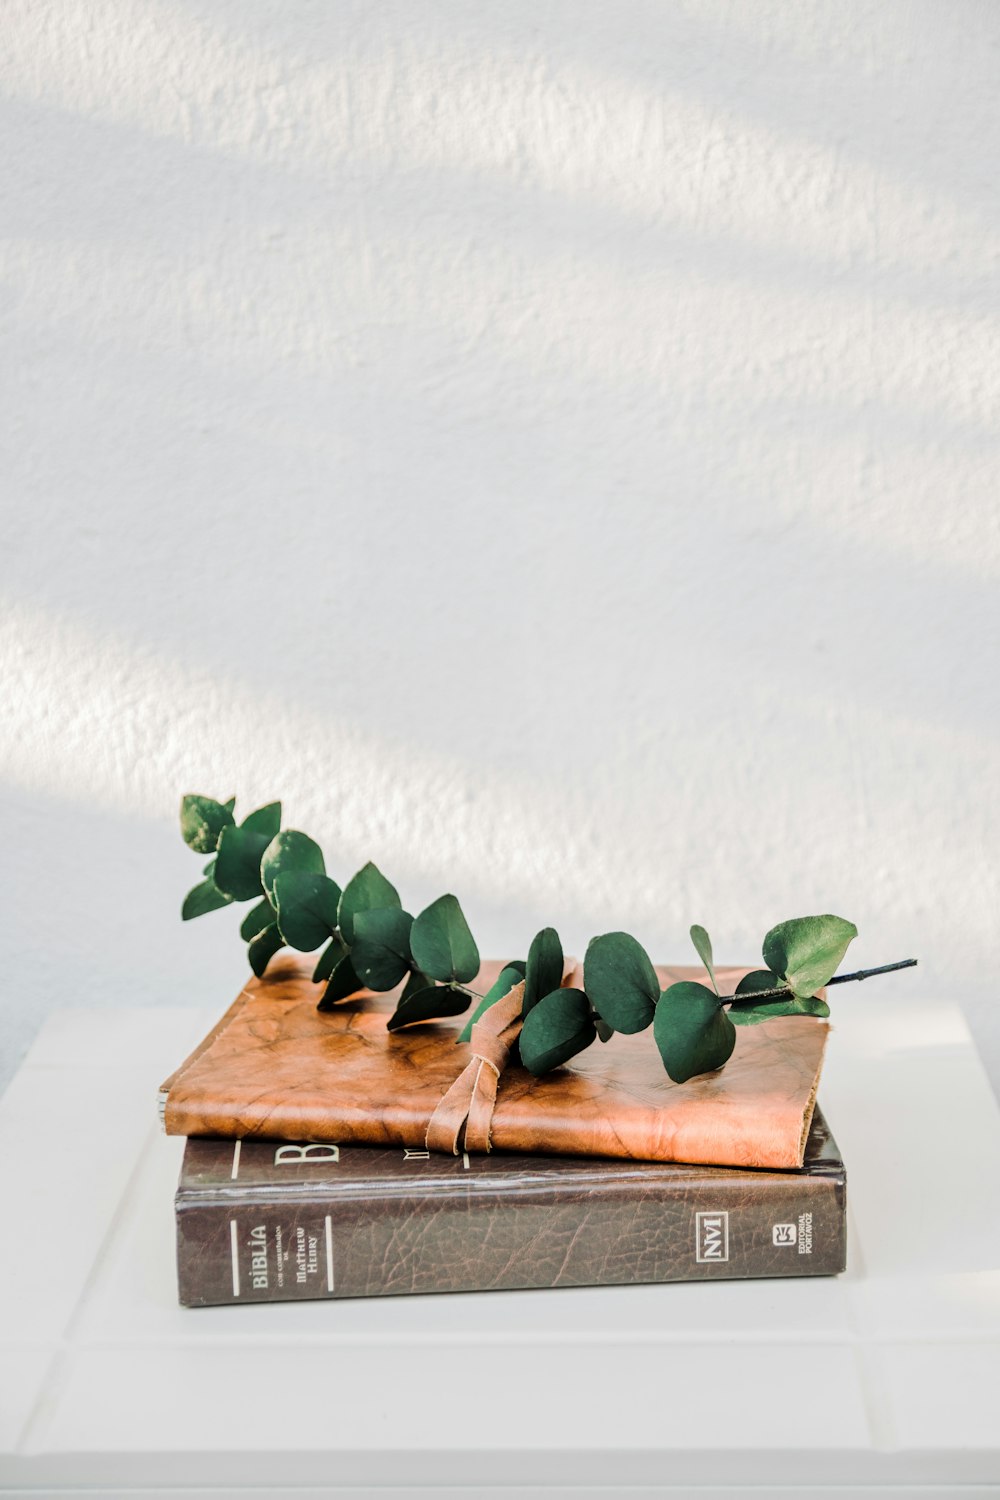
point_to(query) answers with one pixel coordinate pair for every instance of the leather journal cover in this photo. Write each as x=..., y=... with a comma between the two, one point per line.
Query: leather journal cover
x=277, y=1068
x=259, y=1221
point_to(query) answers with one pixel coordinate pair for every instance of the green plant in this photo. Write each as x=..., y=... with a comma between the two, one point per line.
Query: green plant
x=368, y=941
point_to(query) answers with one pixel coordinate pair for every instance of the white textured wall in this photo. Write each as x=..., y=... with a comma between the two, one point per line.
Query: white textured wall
x=552, y=445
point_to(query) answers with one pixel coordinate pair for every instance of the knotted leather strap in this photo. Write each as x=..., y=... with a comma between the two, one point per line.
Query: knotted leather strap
x=470, y=1100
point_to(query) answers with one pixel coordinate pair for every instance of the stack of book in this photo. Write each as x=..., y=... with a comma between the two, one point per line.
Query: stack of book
x=285, y=1195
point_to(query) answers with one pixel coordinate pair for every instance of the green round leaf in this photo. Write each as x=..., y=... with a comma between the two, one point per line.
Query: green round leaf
x=202, y=821
x=692, y=1031
x=328, y=960
x=237, y=867
x=621, y=982
x=288, y=851
x=441, y=943
x=365, y=891
x=559, y=1027
x=342, y=983
x=744, y=1011
x=415, y=984
x=263, y=948
x=807, y=951
x=804, y=1005
x=256, y=919
x=757, y=981
x=202, y=899
x=751, y=1015
x=703, y=948
x=505, y=981
x=428, y=1003
x=266, y=820
x=381, y=951
x=544, y=970
x=604, y=1031
x=307, y=908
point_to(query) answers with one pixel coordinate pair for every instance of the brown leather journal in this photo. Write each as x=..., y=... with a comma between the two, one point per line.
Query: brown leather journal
x=277, y=1068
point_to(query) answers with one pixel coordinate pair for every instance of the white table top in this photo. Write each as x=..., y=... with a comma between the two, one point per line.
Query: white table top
x=885, y=1380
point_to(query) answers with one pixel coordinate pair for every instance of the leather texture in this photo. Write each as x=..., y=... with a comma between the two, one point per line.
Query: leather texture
x=405, y=1222
x=277, y=1068
x=463, y=1118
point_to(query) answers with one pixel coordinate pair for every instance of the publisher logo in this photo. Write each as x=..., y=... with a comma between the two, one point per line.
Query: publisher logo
x=712, y=1236
x=784, y=1234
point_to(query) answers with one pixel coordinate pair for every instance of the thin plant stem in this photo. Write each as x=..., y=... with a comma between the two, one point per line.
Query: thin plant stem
x=782, y=992
x=904, y=963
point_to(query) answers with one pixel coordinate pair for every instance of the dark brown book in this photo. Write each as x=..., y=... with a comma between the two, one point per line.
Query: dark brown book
x=262, y=1221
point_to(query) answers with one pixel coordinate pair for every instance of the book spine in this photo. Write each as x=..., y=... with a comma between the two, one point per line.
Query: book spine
x=281, y=1249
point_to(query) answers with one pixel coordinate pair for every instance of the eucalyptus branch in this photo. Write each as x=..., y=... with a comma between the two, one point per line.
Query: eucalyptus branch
x=781, y=992
x=369, y=942
x=904, y=963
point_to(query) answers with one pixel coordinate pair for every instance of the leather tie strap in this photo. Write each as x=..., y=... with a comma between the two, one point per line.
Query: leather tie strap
x=471, y=1099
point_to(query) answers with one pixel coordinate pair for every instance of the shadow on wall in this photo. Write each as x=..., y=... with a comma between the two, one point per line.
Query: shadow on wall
x=554, y=449
x=513, y=341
